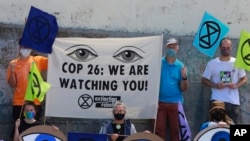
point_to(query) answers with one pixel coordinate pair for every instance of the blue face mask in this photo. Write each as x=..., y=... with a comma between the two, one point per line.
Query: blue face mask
x=29, y=115
x=171, y=53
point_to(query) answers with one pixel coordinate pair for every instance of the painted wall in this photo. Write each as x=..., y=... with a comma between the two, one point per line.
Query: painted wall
x=117, y=18
x=178, y=17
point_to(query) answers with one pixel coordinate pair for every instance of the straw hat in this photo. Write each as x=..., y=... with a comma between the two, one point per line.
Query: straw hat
x=220, y=105
x=217, y=105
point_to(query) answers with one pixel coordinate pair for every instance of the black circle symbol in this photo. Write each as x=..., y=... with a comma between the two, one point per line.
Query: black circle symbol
x=209, y=34
x=221, y=136
x=245, y=52
x=36, y=86
x=38, y=29
x=85, y=101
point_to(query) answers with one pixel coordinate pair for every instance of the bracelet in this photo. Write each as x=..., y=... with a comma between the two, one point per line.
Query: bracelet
x=184, y=78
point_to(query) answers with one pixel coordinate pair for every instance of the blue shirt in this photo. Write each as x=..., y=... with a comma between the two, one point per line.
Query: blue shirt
x=170, y=90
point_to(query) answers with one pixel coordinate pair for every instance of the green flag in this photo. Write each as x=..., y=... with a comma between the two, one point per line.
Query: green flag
x=243, y=52
x=36, y=88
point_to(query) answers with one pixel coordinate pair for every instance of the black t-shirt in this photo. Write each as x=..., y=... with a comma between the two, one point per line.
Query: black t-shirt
x=24, y=125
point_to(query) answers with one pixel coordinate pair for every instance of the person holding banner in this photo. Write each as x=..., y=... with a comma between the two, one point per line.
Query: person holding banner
x=119, y=128
x=17, y=77
x=225, y=79
x=173, y=83
x=217, y=115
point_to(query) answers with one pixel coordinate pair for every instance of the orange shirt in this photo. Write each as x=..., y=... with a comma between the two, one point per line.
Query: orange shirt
x=21, y=70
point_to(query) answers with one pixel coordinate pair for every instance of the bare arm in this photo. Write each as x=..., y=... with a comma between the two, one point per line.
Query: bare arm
x=184, y=81
x=221, y=85
x=12, y=80
x=12, y=75
x=16, y=135
x=208, y=83
x=184, y=85
x=241, y=82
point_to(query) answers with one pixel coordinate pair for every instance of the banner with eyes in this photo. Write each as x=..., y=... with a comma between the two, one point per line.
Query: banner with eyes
x=214, y=133
x=42, y=133
x=88, y=75
x=143, y=136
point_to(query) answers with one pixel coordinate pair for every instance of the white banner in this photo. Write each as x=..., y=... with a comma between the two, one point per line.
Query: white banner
x=88, y=75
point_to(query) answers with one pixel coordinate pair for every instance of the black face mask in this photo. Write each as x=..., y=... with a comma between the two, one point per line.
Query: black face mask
x=119, y=116
x=218, y=115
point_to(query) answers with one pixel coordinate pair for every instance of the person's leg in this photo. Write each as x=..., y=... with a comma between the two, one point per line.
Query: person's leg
x=233, y=111
x=161, y=120
x=238, y=114
x=173, y=121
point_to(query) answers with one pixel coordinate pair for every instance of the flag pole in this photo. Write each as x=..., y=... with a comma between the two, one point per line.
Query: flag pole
x=44, y=120
x=188, y=54
x=20, y=114
x=154, y=125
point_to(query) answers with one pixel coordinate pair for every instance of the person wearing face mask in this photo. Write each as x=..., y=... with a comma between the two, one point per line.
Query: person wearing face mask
x=173, y=83
x=29, y=121
x=225, y=80
x=17, y=74
x=119, y=128
x=217, y=115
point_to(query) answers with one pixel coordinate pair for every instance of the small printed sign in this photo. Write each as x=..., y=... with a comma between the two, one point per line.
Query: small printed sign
x=226, y=77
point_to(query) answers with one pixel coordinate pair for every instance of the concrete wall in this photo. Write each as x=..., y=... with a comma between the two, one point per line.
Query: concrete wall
x=113, y=18
x=152, y=16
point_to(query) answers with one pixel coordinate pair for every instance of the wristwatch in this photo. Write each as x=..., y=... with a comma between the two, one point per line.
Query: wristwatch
x=184, y=78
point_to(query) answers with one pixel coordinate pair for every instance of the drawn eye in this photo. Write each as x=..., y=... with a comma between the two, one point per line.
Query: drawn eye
x=128, y=54
x=81, y=53
x=40, y=137
x=213, y=134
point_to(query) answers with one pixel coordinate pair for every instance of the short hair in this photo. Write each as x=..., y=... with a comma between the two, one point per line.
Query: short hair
x=30, y=103
x=226, y=38
x=119, y=103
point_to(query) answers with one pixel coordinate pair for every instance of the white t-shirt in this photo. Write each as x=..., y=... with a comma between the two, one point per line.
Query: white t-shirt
x=224, y=71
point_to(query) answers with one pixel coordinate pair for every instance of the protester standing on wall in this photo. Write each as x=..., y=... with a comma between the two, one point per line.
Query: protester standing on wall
x=225, y=80
x=173, y=82
x=17, y=77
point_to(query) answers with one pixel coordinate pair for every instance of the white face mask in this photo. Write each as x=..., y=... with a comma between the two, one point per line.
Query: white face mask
x=25, y=52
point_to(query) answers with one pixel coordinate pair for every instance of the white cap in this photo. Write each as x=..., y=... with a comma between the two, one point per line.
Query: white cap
x=171, y=41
